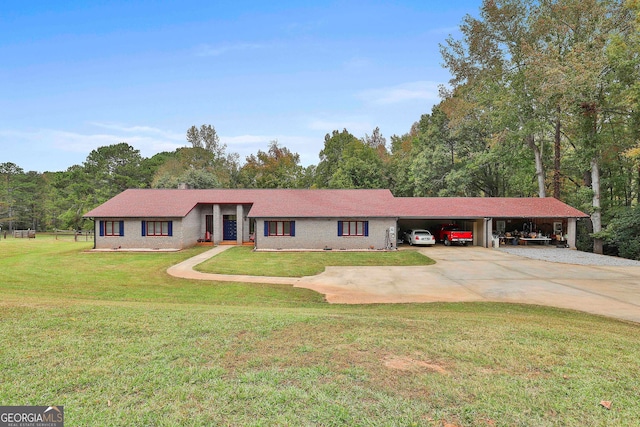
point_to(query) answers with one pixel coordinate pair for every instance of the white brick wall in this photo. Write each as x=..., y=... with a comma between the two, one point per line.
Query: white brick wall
x=133, y=238
x=319, y=233
x=322, y=233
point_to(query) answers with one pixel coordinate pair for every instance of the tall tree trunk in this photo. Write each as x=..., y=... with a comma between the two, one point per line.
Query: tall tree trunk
x=537, y=152
x=591, y=121
x=596, y=216
x=556, y=157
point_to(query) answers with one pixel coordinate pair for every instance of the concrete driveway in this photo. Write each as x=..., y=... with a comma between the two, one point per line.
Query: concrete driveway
x=467, y=274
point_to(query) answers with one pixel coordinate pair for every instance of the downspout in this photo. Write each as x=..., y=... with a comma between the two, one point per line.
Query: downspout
x=393, y=237
x=255, y=233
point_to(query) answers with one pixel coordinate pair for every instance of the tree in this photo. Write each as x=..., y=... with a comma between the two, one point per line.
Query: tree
x=192, y=178
x=30, y=195
x=113, y=169
x=308, y=178
x=348, y=162
x=9, y=173
x=536, y=71
x=207, y=138
x=206, y=143
x=400, y=161
x=376, y=140
x=150, y=166
x=359, y=167
x=278, y=167
x=490, y=66
x=331, y=154
x=177, y=165
x=624, y=232
x=584, y=80
x=624, y=55
x=72, y=195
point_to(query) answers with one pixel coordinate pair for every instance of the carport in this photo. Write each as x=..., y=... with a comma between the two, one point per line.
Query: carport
x=489, y=216
x=434, y=224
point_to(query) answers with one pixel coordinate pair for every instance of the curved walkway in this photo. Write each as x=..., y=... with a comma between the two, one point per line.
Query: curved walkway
x=185, y=270
x=465, y=274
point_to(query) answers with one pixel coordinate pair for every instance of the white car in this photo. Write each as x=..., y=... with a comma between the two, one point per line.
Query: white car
x=419, y=237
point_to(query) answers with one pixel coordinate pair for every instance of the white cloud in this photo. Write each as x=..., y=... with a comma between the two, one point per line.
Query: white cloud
x=146, y=139
x=77, y=142
x=140, y=129
x=45, y=139
x=52, y=149
x=406, y=92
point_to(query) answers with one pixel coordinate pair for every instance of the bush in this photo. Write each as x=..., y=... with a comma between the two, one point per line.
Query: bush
x=584, y=241
x=624, y=232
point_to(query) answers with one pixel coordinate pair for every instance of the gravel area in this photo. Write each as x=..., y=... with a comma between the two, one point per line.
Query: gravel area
x=569, y=256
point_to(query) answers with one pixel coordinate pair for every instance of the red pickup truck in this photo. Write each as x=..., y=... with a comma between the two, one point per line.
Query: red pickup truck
x=451, y=233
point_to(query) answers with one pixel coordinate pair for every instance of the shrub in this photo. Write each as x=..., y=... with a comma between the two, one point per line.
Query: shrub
x=624, y=232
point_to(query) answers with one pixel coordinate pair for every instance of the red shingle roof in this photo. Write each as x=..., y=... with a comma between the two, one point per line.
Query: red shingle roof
x=484, y=207
x=164, y=203
x=286, y=203
x=268, y=203
x=324, y=204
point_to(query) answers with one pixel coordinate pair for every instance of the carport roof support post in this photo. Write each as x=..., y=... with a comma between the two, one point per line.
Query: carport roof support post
x=488, y=232
x=571, y=232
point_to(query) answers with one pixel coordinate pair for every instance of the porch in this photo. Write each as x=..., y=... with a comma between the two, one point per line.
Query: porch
x=224, y=224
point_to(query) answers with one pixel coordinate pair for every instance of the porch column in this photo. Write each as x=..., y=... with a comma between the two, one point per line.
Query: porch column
x=477, y=241
x=487, y=232
x=571, y=232
x=239, y=224
x=217, y=225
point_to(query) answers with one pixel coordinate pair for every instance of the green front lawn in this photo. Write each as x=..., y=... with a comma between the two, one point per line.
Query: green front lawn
x=243, y=260
x=118, y=342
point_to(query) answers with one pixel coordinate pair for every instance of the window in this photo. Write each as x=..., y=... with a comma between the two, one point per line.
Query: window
x=280, y=228
x=112, y=228
x=353, y=228
x=157, y=228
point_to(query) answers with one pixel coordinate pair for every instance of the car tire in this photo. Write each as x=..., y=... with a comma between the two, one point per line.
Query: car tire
x=447, y=242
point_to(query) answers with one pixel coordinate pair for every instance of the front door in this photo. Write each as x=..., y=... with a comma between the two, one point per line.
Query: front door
x=229, y=230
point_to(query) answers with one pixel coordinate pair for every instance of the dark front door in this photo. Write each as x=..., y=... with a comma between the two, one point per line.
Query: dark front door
x=229, y=230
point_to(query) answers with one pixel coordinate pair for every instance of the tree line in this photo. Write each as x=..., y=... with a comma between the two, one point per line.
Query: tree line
x=544, y=101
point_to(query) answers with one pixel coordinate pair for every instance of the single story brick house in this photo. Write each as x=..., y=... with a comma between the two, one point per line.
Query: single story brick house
x=307, y=219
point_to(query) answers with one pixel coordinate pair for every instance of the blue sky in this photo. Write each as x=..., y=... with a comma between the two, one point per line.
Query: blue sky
x=77, y=75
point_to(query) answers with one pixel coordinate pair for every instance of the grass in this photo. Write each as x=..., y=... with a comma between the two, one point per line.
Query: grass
x=118, y=342
x=64, y=269
x=243, y=260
